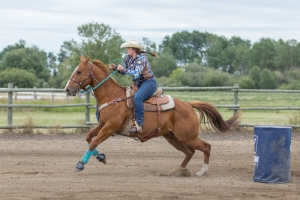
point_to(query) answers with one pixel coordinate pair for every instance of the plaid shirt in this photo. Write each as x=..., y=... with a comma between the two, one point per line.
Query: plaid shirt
x=135, y=67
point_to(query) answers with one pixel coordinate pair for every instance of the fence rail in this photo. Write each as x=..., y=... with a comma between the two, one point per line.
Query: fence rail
x=233, y=104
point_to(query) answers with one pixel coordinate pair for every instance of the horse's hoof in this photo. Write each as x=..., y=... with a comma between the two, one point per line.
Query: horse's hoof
x=201, y=173
x=79, y=167
x=101, y=157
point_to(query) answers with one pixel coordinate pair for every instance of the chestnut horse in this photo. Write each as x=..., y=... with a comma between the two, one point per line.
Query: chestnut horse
x=179, y=126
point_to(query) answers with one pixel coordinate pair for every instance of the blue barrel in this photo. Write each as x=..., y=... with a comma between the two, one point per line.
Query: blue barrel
x=272, y=154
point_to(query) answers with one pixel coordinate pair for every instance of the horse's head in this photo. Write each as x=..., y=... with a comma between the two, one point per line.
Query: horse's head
x=81, y=77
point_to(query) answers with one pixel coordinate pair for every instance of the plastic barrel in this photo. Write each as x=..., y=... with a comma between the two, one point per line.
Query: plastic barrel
x=272, y=154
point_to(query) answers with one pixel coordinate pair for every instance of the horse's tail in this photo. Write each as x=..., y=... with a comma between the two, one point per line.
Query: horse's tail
x=210, y=115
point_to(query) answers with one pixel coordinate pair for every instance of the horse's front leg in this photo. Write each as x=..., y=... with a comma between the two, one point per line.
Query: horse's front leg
x=89, y=136
x=104, y=133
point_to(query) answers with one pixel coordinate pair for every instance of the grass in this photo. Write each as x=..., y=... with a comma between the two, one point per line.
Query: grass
x=76, y=115
x=46, y=118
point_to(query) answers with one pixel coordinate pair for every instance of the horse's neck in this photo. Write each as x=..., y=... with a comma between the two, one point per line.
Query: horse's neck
x=108, y=91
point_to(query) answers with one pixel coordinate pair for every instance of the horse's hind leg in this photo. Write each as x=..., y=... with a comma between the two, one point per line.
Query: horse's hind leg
x=189, y=152
x=205, y=147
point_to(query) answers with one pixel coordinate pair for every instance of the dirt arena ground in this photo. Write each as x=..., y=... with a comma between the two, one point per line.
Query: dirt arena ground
x=41, y=167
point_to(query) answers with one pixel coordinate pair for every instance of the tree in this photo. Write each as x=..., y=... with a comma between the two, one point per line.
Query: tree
x=239, y=61
x=255, y=75
x=163, y=65
x=267, y=80
x=186, y=47
x=30, y=59
x=246, y=83
x=51, y=63
x=99, y=42
x=263, y=54
x=19, y=45
x=19, y=77
x=216, y=57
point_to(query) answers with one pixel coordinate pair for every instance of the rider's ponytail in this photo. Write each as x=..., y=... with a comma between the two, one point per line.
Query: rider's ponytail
x=138, y=51
x=151, y=53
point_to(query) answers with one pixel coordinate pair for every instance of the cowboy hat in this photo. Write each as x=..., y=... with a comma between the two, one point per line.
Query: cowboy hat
x=132, y=43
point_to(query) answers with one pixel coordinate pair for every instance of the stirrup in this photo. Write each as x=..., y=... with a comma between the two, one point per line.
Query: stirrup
x=135, y=130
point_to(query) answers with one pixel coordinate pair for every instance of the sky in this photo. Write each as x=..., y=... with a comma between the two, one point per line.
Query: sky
x=48, y=23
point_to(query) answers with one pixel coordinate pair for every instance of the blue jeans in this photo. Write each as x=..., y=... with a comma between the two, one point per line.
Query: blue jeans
x=145, y=91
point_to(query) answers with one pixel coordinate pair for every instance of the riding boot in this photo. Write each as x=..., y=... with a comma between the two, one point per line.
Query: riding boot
x=136, y=128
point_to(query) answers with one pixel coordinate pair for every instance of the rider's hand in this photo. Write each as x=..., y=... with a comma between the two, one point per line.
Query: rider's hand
x=112, y=66
x=120, y=67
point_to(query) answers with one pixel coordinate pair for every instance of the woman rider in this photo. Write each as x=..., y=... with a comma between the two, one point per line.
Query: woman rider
x=136, y=65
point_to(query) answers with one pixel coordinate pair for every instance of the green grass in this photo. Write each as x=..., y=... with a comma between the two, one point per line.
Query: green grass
x=46, y=118
x=76, y=115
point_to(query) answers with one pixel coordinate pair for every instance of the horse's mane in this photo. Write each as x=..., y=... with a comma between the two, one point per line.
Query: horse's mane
x=104, y=68
x=101, y=65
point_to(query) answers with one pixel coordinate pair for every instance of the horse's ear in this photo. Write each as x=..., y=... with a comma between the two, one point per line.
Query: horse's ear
x=82, y=58
x=87, y=59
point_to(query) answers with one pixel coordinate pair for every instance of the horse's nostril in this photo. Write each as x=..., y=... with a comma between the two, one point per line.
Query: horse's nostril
x=67, y=90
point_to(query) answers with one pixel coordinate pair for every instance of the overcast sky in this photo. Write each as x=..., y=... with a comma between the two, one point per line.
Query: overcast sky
x=48, y=23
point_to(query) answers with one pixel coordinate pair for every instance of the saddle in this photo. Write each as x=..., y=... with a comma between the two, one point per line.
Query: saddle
x=157, y=103
x=166, y=102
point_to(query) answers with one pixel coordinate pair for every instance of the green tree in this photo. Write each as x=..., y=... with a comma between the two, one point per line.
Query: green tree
x=287, y=55
x=51, y=63
x=239, y=62
x=263, y=54
x=19, y=77
x=217, y=78
x=30, y=59
x=194, y=75
x=216, y=56
x=19, y=45
x=254, y=74
x=267, y=80
x=246, y=83
x=164, y=64
x=186, y=47
x=99, y=42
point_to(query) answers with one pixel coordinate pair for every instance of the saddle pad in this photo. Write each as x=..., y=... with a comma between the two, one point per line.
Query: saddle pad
x=162, y=99
x=153, y=108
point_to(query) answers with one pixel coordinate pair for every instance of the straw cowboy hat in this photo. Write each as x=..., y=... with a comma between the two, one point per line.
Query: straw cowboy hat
x=132, y=43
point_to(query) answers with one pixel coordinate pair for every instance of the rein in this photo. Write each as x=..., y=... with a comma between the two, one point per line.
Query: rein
x=89, y=89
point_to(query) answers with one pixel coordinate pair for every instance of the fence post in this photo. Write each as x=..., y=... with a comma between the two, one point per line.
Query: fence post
x=87, y=108
x=10, y=102
x=16, y=94
x=53, y=96
x=235, y=96
x=34, y=94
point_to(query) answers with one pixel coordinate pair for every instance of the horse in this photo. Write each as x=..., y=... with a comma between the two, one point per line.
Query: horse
x=179, y=126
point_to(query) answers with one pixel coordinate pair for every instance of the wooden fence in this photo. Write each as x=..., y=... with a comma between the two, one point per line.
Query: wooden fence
x=17, y=93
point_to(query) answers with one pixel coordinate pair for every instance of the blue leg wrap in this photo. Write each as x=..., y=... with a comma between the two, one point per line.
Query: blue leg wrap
x=95, y=152
x=85, y=158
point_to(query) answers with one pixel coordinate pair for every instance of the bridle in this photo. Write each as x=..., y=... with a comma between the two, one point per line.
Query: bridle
x=79, y=84
x=89, y=89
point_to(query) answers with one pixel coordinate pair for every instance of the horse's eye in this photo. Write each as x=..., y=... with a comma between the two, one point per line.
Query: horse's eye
x=78, y=72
